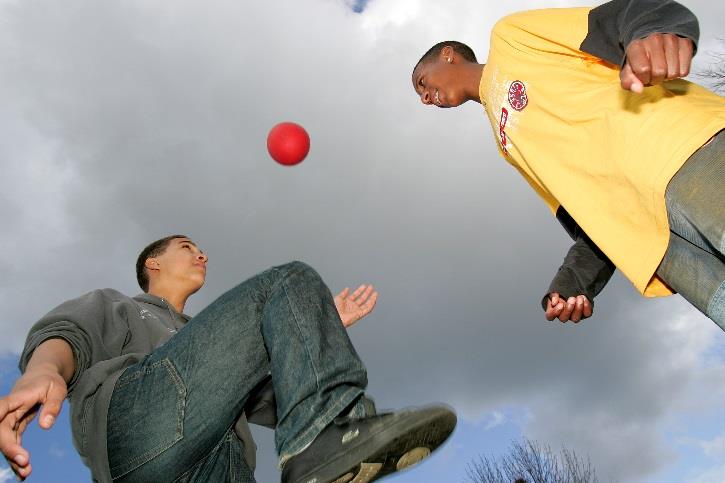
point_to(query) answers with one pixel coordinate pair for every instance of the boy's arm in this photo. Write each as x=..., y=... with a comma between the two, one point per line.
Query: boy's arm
x=87, y=324
x=650, y=40
x=55, y=355
x=585, y=271
x=58, y=349
x=615, y=24
x=44, y=386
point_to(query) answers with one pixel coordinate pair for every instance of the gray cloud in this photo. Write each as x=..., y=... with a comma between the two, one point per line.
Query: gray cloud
x=127, y=121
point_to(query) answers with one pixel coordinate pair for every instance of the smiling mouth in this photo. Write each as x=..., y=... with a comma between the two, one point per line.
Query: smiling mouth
x=437, y=98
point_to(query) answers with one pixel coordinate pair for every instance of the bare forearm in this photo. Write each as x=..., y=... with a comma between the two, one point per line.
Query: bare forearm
x=55, y=355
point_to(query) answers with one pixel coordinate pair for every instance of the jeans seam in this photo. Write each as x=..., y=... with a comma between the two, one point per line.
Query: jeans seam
x=299, y=267
x=297, y=324
x=237, y=459
x=231, y=467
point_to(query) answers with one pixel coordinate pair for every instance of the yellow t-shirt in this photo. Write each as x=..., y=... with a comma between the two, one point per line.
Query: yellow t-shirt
x=581, y=141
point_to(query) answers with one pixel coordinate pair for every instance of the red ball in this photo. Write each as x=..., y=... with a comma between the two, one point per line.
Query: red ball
x=288, y=143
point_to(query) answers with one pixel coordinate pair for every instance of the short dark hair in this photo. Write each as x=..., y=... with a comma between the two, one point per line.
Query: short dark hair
x=458, y=47
x=152, y=250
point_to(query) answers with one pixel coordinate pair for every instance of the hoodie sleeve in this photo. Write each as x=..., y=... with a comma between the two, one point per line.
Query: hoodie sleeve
x=613, y=25
x=586, y=269
x=94, y=325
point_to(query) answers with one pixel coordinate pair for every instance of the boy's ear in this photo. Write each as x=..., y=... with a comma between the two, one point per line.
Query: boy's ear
x=447, y=54
x=152, y=264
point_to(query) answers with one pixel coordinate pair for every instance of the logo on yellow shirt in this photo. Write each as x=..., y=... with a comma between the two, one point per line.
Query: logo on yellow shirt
x=501, y=126
x=517, y=95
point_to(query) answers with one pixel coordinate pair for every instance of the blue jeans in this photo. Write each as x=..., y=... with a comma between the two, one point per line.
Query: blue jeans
x=694, y=264
x=171, y=415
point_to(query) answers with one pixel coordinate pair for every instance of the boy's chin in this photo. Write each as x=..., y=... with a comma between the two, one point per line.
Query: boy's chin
x=453, y=103
x=198, y=283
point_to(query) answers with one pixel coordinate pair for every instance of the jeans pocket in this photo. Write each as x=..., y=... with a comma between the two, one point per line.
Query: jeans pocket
x=146, y=415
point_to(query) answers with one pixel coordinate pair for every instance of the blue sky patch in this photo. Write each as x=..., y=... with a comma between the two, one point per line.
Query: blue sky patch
x=358, y=5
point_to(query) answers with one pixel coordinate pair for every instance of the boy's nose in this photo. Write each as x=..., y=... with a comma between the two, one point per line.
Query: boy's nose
x=425, y=97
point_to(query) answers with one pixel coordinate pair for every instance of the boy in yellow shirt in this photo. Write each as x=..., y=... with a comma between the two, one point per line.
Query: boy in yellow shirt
x=589, y=106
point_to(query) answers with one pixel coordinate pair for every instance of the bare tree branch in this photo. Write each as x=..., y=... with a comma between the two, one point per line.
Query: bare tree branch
x=714, y=75
x=528, y=461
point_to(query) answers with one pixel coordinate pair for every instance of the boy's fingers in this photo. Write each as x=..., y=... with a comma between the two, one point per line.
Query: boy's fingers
x=367, y=292
x=369, y=304
x=629, y=81
x=672, y=55
x=4, y=408
x=566, y=312
x=654, y=59
x=587, y=311
x=638, y=62
x=585, y=306
x=552, y=310
x=22, y=472
x=655, y=47
x=51, y=406
x=15, y=454
x=49, y=414
x=8, y=405
x=549, y=312
x=15, y=468
x=685, y=54
x=23, y=423
x=576, y=314
x=358, y=291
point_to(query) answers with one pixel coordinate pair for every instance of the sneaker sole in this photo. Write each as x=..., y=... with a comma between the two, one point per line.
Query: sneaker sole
x=395, y=448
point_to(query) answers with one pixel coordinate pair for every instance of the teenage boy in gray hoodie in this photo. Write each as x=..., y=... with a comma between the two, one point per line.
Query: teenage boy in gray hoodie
x=159, y=396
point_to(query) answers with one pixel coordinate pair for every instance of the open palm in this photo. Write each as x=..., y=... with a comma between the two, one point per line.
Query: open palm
x=354, y=306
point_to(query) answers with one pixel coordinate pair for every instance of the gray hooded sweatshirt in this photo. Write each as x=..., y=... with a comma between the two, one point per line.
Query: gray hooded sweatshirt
x=109, y=332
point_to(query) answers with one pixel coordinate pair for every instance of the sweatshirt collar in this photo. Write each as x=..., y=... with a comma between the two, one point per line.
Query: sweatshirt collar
x=159, y=302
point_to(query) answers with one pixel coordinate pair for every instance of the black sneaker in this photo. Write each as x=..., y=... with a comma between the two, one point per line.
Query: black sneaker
x=363, y=450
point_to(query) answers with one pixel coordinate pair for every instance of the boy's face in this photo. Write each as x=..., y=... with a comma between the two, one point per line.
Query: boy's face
x=182, y=262
x=438, y=83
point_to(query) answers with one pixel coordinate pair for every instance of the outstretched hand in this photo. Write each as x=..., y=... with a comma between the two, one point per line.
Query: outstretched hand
x=19, y=408
x=574, y=308
x=354, y=306
x=655, y=58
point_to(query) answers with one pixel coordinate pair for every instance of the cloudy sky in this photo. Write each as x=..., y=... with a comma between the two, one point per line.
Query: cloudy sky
x=122, y=122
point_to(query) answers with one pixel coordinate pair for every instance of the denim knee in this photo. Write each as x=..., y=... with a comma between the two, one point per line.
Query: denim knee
x=294, y=267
